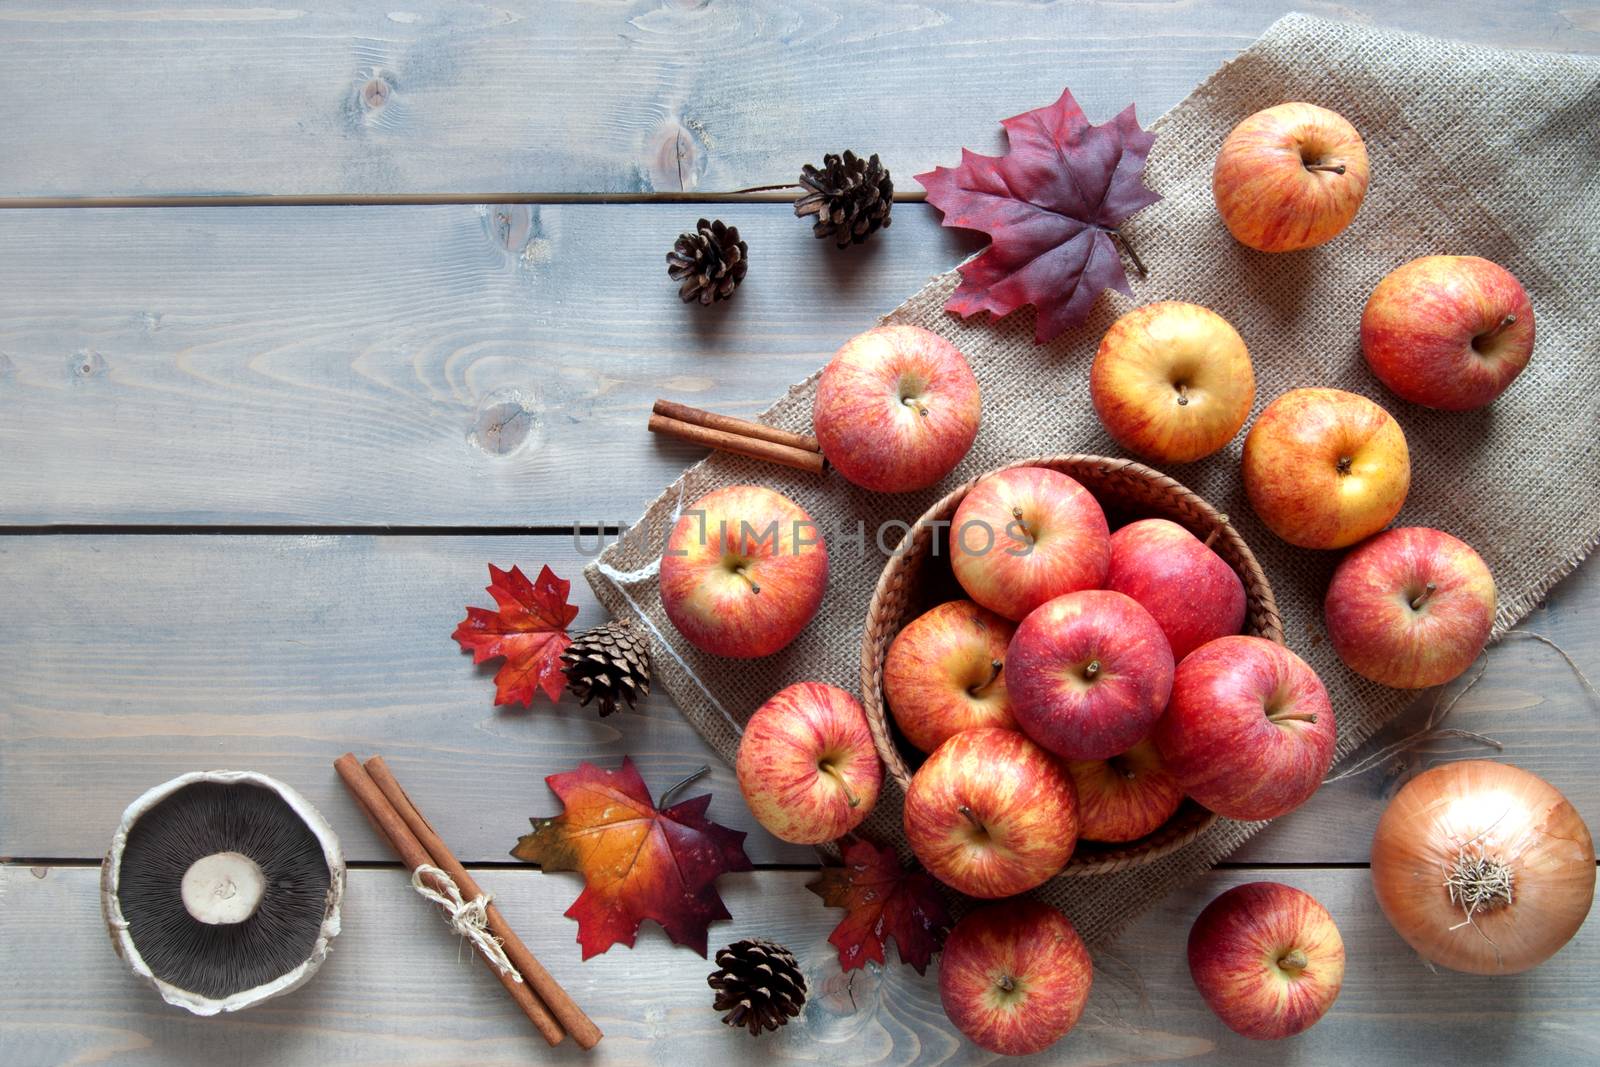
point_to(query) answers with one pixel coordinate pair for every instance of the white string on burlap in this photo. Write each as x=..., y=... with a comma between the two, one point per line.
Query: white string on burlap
x=469, y=918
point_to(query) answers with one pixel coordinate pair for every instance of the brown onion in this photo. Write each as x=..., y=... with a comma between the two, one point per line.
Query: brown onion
x=1483, y=867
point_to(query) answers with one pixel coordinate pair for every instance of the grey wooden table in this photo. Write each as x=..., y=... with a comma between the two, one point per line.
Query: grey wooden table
x=305, y=317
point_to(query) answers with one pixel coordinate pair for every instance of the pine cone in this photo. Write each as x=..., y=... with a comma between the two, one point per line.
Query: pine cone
x=611, y=663
x=759, y=985
x=710, y=262
x=850, y=197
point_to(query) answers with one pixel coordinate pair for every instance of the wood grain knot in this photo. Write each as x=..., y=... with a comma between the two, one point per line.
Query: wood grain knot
x=375, y=94
x=507, y=422
x=86, y=363
x=675, y=159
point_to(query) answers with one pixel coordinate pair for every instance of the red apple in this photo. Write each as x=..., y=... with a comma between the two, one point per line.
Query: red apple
x=1290, y=177
x=991, y=814
x=1089, y=674
x=943, y=674
x=1025, y=535
x=896, y=409
x=1014, y=977
x=1172, y=382
x=807, y=765
x=1410, y=608
x=1267, y=958
x=1249, y=731
x=743, y=572
x=1192, y=594
x=1325, y=468
x=1125, y=797
x=1448, y=332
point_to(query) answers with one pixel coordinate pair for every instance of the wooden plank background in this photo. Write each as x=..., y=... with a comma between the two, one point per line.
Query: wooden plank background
x=476, y=375
x=641, y=96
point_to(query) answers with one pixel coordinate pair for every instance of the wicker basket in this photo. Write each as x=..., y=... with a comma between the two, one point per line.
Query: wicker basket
x=1127, y=490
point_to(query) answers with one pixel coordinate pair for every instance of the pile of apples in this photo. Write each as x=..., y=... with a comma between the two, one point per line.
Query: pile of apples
x=1090, y=680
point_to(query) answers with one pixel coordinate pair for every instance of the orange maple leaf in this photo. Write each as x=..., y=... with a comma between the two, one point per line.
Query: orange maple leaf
x=529, y=630
x=638, y=862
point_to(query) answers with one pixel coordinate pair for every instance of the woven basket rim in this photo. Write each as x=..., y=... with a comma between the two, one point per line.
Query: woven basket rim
x=1262, y=618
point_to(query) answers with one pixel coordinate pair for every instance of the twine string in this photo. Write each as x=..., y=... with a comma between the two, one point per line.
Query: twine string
x=469, y=918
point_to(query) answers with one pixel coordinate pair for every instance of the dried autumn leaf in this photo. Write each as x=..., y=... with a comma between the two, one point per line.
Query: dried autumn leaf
x=883, y=900
x=1051, y=206
x=637, y=862
x=529, y=630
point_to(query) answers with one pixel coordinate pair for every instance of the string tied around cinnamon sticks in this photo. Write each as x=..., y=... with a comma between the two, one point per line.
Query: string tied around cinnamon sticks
x=469, y=918
x=377, y=792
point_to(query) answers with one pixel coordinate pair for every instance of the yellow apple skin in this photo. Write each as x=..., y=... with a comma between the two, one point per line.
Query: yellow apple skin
x=1290, y=177
x=944, y=674
x=1172, y=382
x=1325, y=468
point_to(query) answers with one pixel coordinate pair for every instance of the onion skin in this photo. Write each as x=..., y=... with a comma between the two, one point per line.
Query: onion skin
x=1509, y=815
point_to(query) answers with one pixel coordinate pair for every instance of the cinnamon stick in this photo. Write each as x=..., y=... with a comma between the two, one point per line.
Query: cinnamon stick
x=723, y=441
x=565, y=1009
x=739, y=427
x=410, y=850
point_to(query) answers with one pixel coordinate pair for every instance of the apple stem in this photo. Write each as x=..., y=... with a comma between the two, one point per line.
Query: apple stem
x=672, y=789
x=1122, y=241
x=913, y=402
x=1294, y=716
x=973, y=819
x=1183, y=394
x=1211, y=538
x=1027, y=535
x=751, y=582
x=1092, y=669
x=1499, y=328
x=1116, y=764
x=1422, y=597
x=994, y=673
x=827, y=767
x=1331, y=168
x=1294, y=960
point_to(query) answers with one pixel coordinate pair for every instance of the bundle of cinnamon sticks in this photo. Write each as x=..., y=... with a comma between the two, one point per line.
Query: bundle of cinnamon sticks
x=540, y=996
x=739, y=436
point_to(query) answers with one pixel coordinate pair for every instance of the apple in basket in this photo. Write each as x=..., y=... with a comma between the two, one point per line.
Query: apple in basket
x=1325, y=468
x=943, y=673
x=1014, y=977
x=1410, y=608
x=1125, y=797
x=1448, y=332
x=1024, y=535
x=1172, y=382
x=806, y=764
x=1290, y=177
x=1189, y=590
x=896, y=409
x=743, y=572
x=991, y=814
x=1249, y=731
x=1089, y=674
x=1267, y=958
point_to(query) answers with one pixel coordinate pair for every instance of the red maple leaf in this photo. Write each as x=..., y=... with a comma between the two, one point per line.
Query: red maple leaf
x=883, y=899
x=1050, y=206
x=637, y=862
x=529, y=630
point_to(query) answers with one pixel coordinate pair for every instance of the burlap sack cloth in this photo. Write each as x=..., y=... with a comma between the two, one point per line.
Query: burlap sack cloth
x=1473, y=151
